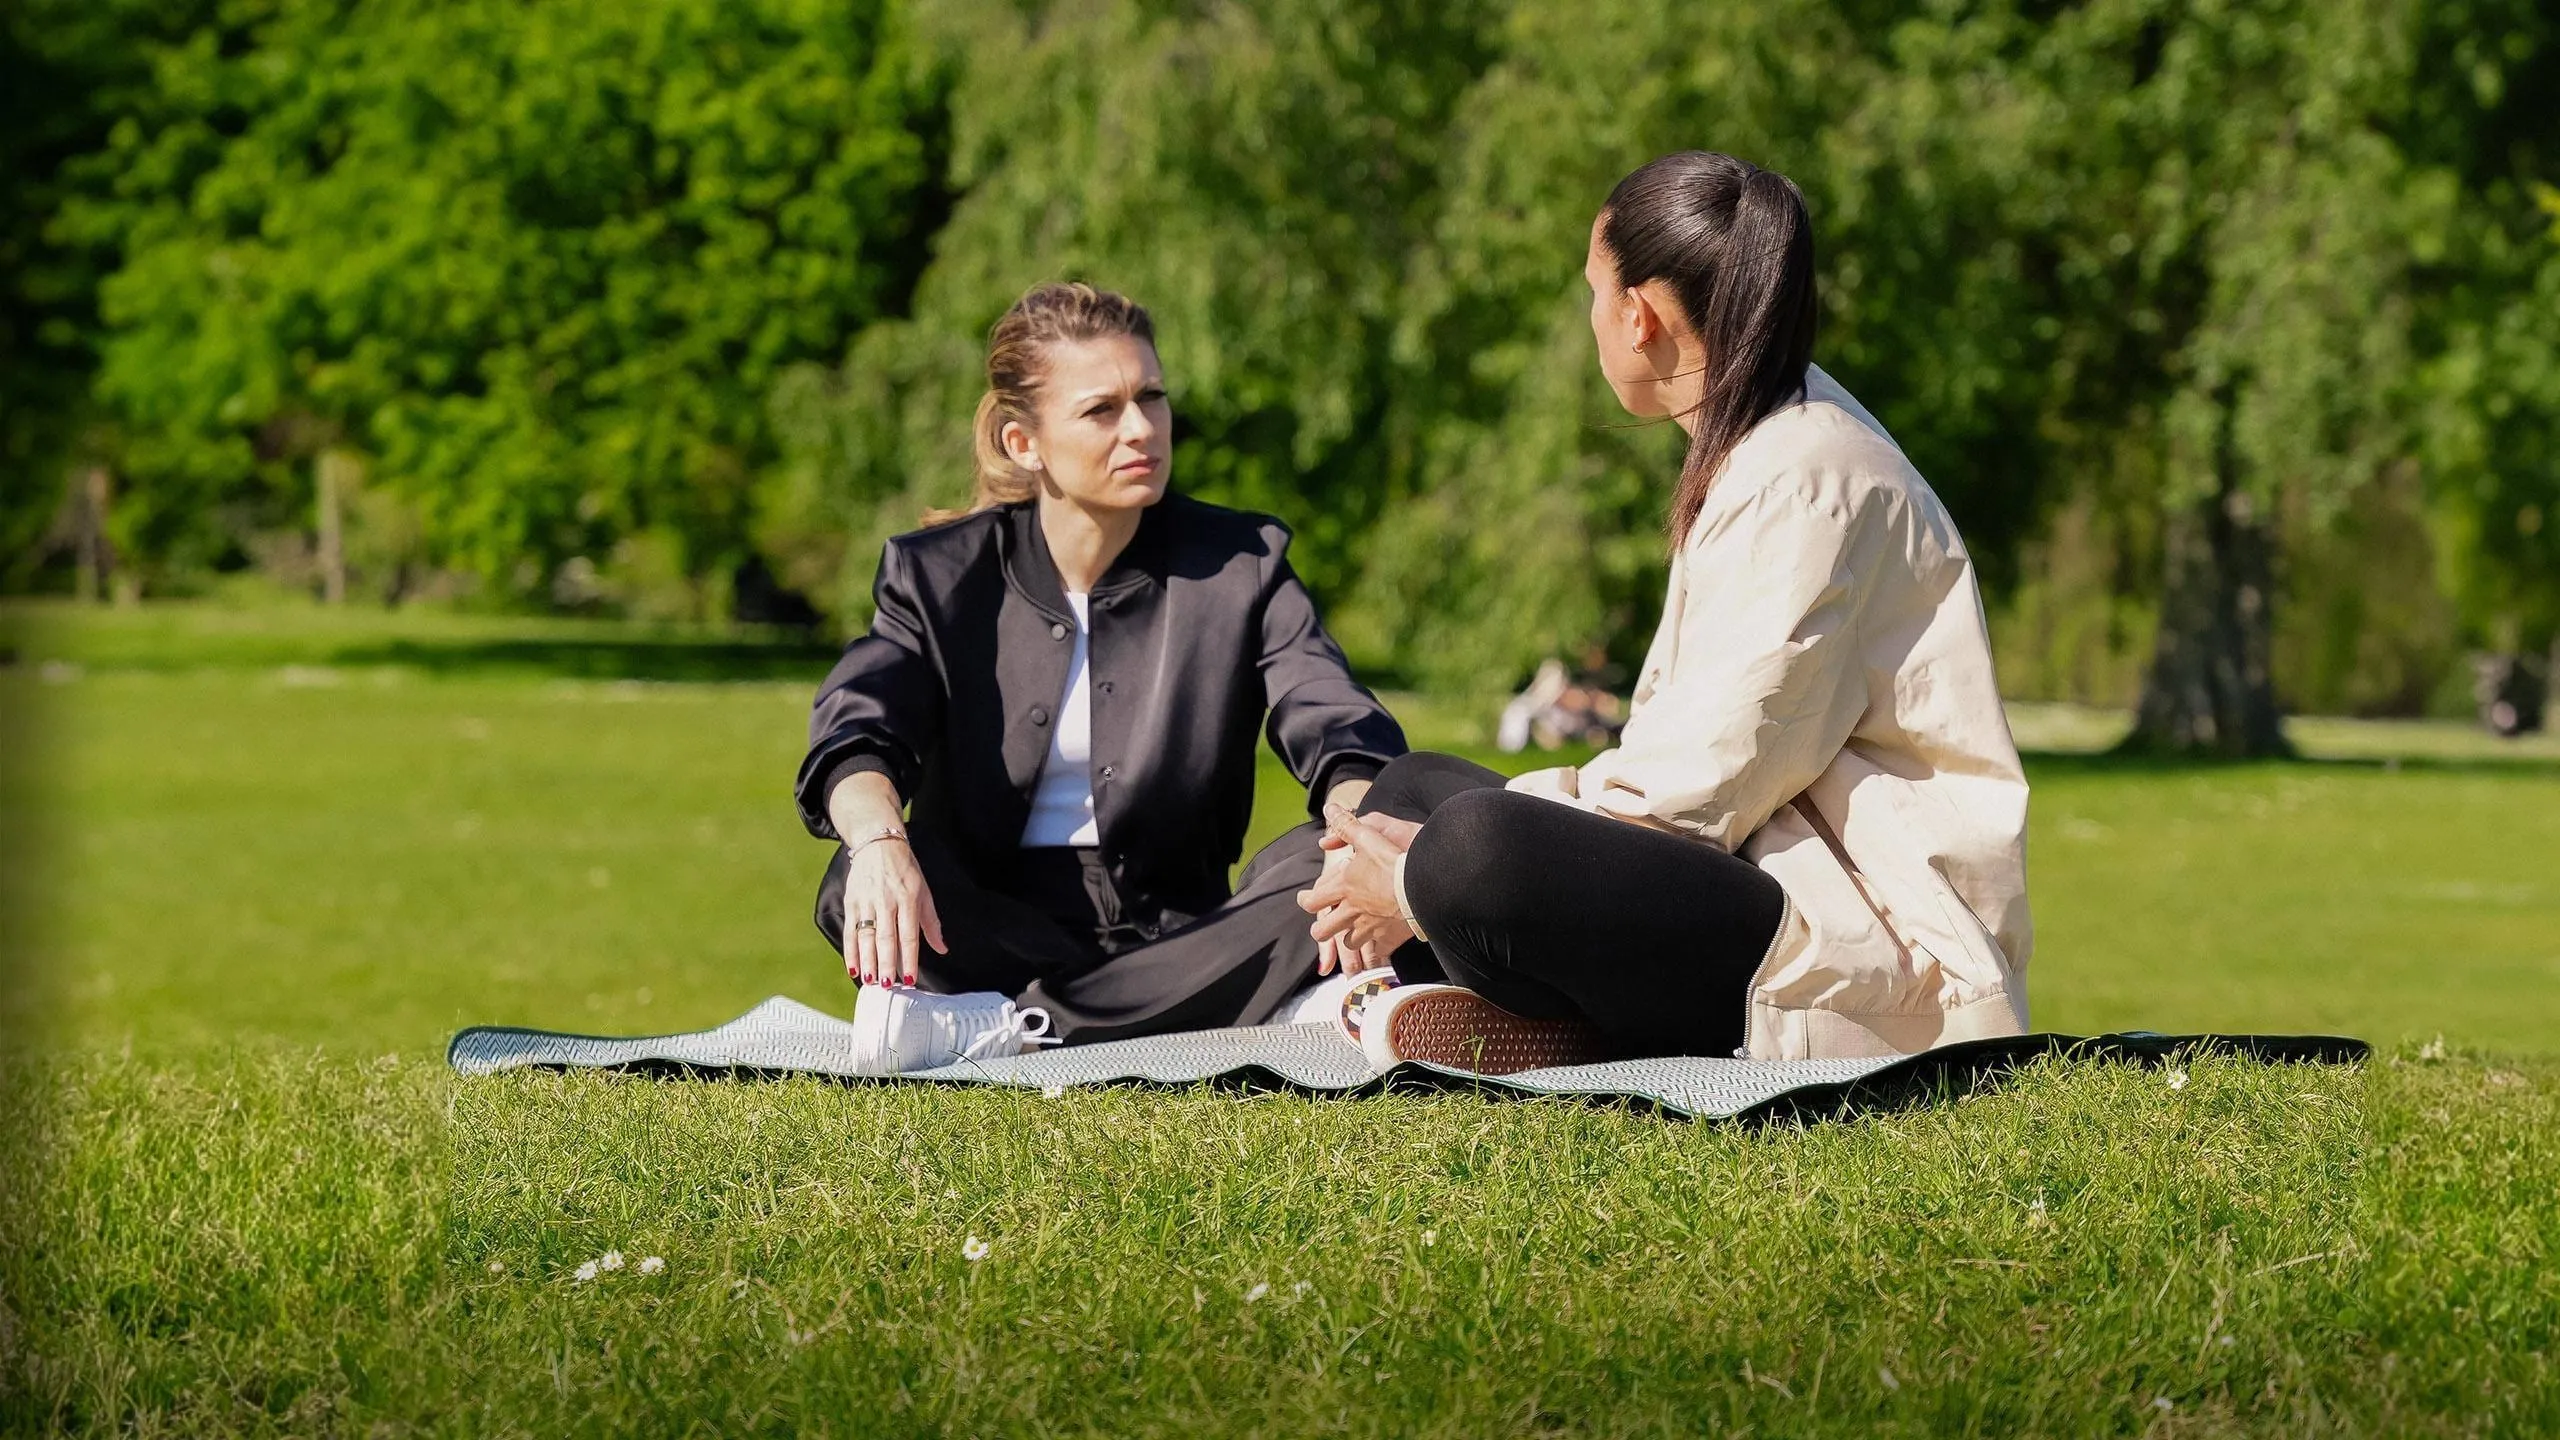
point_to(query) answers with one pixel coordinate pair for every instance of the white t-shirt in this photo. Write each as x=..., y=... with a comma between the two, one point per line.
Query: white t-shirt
x=1062, y=803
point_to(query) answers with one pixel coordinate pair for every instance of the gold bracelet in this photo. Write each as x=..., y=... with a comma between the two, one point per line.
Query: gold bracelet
x=885, y=832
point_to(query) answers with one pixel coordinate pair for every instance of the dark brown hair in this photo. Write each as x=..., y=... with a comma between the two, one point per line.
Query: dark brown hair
x=1018, y=360
x=1732, y=242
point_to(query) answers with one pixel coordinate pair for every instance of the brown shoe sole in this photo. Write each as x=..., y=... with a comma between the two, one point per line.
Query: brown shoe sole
x=1465, y=1031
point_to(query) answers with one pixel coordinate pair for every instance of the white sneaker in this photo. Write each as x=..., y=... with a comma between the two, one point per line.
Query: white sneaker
x=1453, y=1026
x=898, y=1030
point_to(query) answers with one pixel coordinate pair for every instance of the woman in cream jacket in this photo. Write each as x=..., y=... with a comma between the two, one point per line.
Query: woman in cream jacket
x=1810, y=840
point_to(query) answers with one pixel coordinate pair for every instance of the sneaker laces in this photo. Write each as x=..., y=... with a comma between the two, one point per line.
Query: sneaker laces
x=1014, y=1030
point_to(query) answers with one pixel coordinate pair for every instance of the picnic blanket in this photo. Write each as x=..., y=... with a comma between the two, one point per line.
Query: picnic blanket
x=784, y=1037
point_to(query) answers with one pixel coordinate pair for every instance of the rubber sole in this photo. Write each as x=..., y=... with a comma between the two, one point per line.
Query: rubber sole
x=1465, y=1031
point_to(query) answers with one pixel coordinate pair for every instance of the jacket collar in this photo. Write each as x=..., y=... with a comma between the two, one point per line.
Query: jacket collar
x=1033, y=574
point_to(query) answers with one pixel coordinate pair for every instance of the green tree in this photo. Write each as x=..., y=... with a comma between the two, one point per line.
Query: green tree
x=2490, y=316
x=71, y=72
x=541, y=264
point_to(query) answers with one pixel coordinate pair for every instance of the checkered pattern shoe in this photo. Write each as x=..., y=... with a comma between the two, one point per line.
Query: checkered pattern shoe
x=1356, y=1000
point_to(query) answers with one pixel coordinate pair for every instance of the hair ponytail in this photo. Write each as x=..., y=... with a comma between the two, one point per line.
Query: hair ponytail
x=1017, y=362
x=1000, y=481
x=1734, y=245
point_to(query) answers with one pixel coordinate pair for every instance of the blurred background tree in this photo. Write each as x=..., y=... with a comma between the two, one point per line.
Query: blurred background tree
x=534, y=271
x=2230, y=332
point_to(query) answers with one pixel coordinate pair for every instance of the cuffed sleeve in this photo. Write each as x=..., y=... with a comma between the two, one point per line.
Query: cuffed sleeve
x=881, y=708
x=1343, y=770
x=861, y=762
x=1769, y=683
x=1321, y=720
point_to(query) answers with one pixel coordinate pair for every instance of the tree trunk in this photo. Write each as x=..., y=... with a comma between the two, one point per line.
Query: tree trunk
x=336, y=479
x=2211, y=686
x=92, y=553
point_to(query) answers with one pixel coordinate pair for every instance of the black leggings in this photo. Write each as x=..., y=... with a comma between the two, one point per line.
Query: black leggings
x=1555, y=913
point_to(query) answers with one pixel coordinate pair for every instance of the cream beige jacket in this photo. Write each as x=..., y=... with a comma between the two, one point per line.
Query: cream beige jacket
x=1819, y=700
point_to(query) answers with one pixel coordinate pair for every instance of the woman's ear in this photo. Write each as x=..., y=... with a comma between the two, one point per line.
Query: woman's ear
x=1644, y=323
x=1021, y=446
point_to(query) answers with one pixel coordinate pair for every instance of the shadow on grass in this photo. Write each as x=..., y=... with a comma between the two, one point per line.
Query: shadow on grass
x=2054, y=763
x=603, y=658
x=1978, y=1067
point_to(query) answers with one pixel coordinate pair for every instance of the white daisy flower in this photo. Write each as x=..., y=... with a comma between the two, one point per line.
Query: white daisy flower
x=653, y=1265
x=974, y=1249
x=497, y=1267
x=1301, y=1288
x=587, y=1271
x=1257, y=1292
x=1430, y=1238
x=1052, y=1091
x=2163, y=1404
x=2177, y=1079
x=1887, y=1377
x=612, y=1260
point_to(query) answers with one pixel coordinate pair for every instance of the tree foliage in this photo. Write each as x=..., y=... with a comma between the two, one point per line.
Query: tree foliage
x=541, y=264
x=709, y=282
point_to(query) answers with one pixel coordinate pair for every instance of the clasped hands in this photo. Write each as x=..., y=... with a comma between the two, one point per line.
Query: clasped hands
x=1358, y=924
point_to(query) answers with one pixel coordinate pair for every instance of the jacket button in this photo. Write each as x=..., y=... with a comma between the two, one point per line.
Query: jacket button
x=1039, y=714
x=1106, y=687
x=1057, y=631
x=1108, y=772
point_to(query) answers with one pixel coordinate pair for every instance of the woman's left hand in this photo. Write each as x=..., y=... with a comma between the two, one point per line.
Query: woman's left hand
x=1357, y=921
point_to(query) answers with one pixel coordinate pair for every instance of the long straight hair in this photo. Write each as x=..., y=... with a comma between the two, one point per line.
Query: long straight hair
x=1732, y=242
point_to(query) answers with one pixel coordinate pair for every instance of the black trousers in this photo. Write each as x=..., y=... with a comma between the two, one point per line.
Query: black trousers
x=1059, y=937
x=1557, y=914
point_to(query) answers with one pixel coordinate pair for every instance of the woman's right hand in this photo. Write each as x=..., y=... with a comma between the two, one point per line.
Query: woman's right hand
x=884, y=887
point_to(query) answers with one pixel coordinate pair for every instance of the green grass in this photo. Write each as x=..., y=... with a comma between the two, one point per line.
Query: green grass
x=287, y=856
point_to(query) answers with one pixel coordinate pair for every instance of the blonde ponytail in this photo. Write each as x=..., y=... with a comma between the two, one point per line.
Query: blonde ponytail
x=1000, y=481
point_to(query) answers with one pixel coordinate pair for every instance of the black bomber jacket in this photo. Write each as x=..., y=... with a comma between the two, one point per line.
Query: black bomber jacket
x=1201, y=636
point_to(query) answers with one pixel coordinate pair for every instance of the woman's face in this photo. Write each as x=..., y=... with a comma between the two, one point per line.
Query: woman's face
x=1105, y=433
x=1628, y=331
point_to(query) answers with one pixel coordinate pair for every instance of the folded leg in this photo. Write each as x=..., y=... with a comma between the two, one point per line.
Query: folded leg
x=1232, y=966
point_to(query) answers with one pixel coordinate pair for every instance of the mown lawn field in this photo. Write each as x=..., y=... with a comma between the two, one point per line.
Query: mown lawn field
x=281, y=856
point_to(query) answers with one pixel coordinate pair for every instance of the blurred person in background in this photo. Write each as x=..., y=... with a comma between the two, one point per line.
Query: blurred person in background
x=1039, y=764
x=1556, y=710
x=1810, y=839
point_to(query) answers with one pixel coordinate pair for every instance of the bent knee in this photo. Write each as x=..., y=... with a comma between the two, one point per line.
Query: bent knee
x=1477, y=861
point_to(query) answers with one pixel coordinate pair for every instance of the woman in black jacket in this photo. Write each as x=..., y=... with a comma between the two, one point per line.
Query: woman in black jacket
x=1064, y=688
